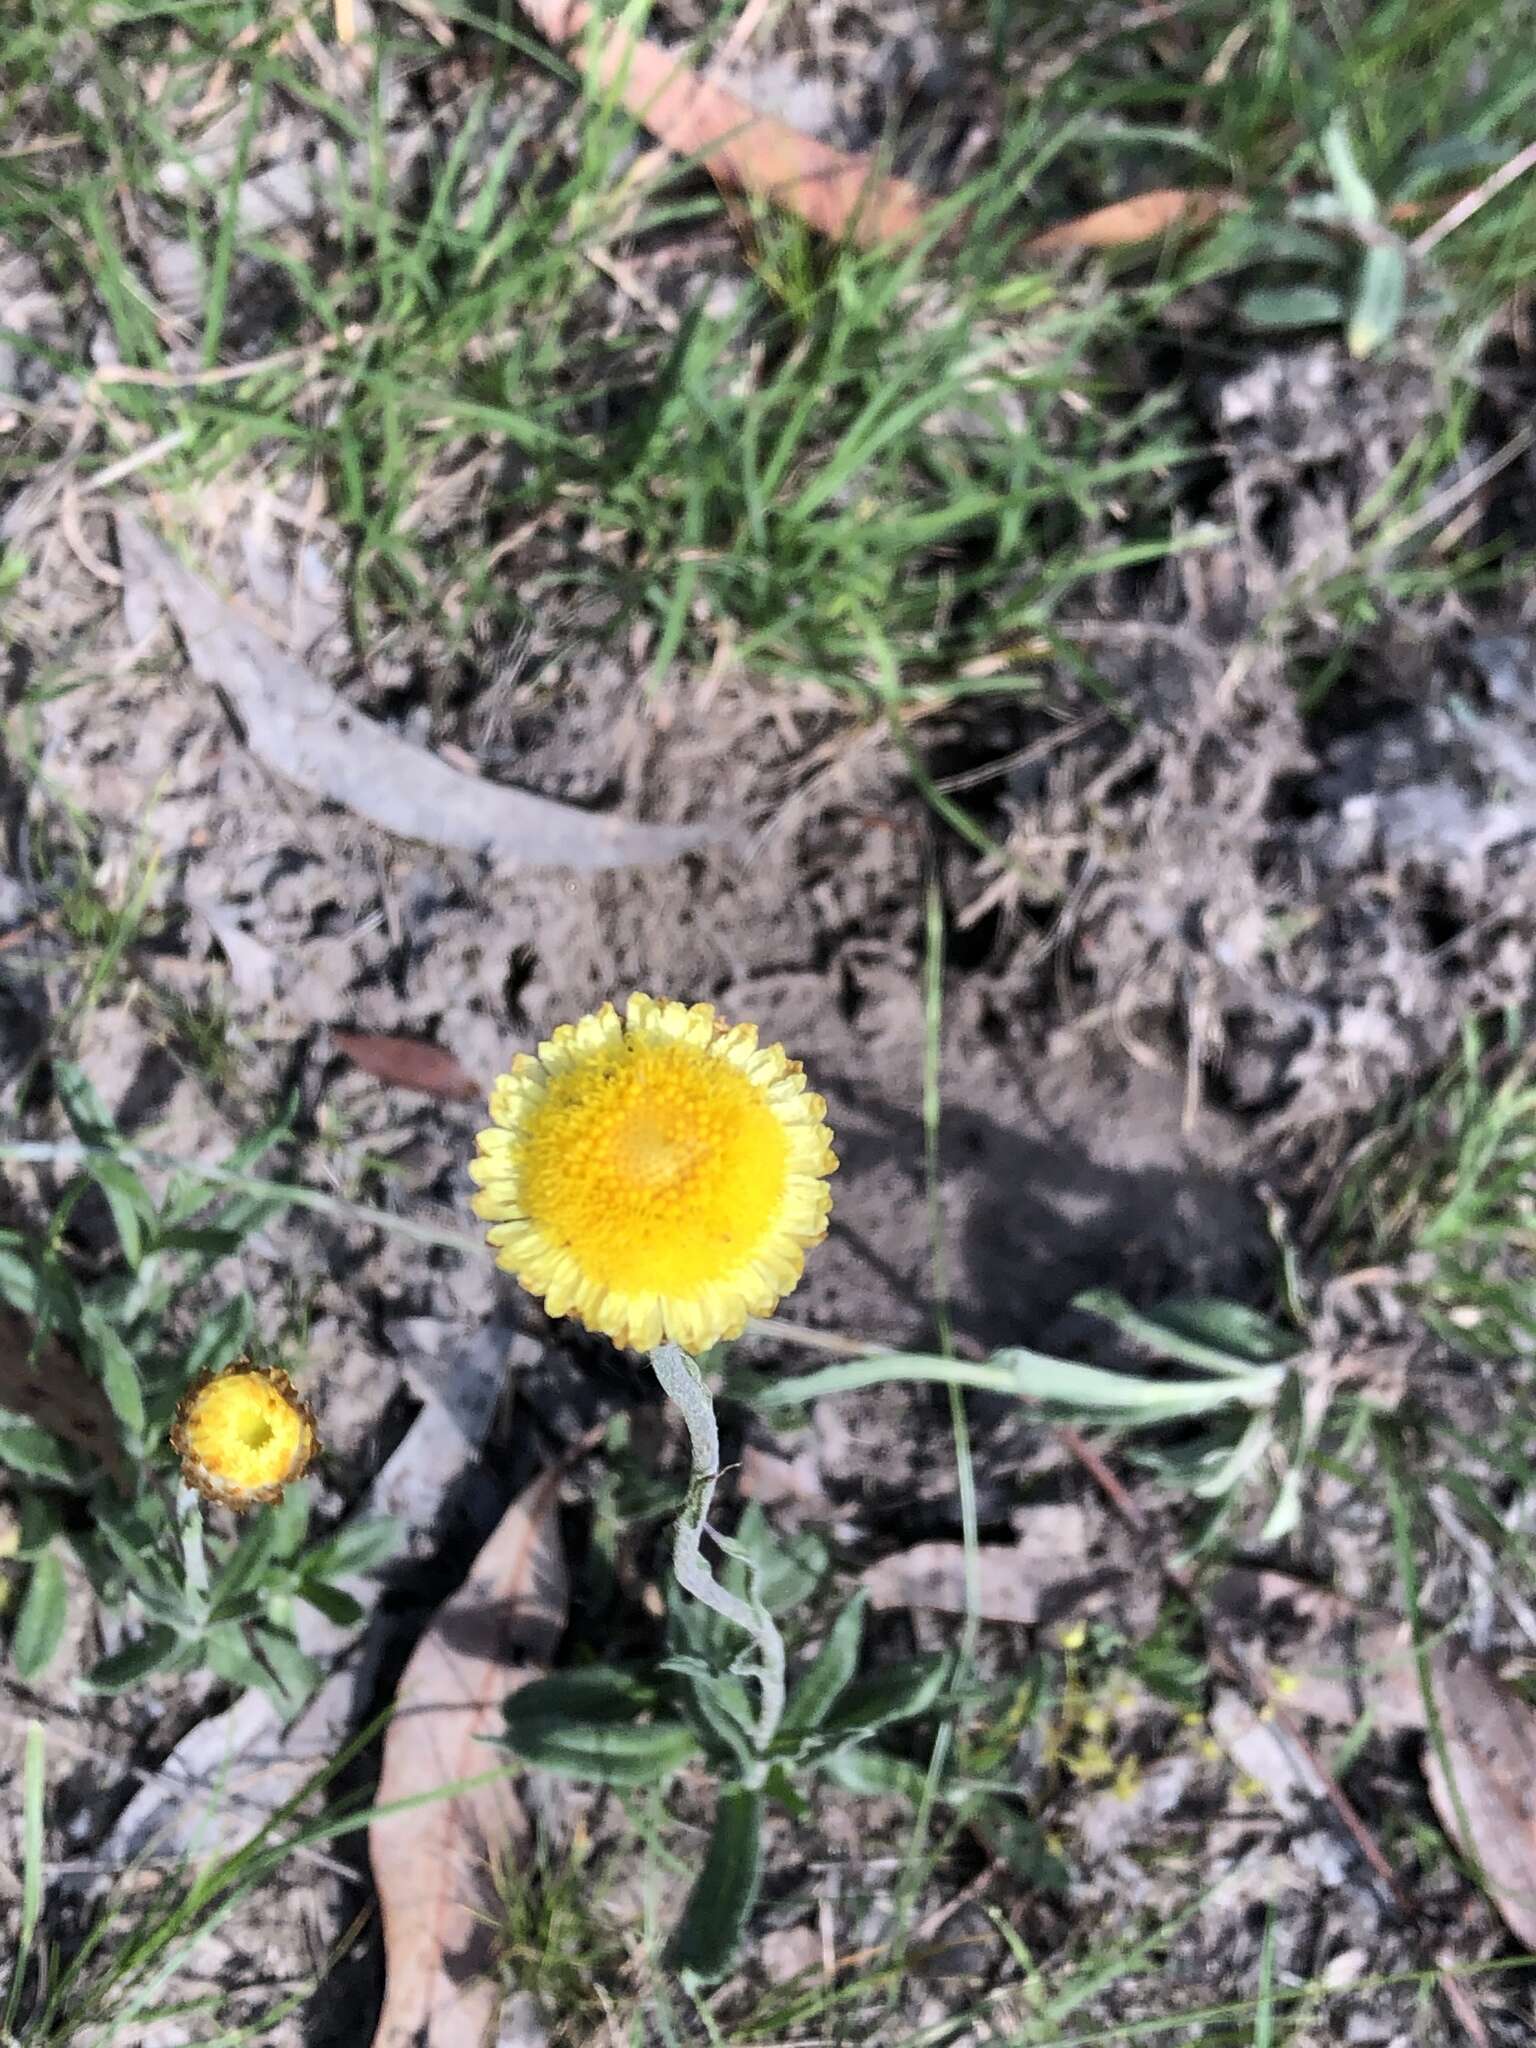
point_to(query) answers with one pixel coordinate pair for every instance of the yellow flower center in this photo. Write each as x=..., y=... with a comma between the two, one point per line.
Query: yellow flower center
x=660, y=1167
x=245, y=1431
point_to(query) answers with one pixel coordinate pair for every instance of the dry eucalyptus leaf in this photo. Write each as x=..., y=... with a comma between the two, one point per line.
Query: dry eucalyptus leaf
x=1487, y=1802
x=1261, y=1751
x=1014, y=1580
x=433, y=1864
x=833, y=191
x=303, y=730
x=409, y=1063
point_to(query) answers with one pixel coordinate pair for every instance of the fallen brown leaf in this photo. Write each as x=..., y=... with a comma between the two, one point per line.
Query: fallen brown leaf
x=833, y=191
x=409, y=1063
x=1487, y=1802
x=433, y=1864
x=1014, y=1581
x=1139, y=219
x=302, y=729
x=49, y=1386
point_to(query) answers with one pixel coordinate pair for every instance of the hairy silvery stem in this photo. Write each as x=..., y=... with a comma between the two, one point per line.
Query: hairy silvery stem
x=683, y=1384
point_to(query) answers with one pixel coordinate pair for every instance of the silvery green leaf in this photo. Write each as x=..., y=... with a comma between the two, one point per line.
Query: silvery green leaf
x=89, y=1117
x=829, y=1673
x=1224, y=1472
x=725, y=1891
x=720, y=1705
x=119, y=1374
x=1286, y=1512
x=1291, y=305
x=605, y=1752
x=591, y=1692
x=135, y=1661
x=896, y=1692
x=40, y=1624
x=34, y=1452
x=870, y=1774
x=1379, y=302
x=1349, y=180
x=1214, y=1337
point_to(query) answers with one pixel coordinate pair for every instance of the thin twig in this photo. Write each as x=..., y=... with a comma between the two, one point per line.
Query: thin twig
x=1473, y=201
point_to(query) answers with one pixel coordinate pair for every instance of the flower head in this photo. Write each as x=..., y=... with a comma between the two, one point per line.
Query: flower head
x=243, y=1435
x=655, y=1175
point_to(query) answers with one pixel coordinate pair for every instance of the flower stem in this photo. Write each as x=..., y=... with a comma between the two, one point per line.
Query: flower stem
x=194, y=1558
x=683, y=1384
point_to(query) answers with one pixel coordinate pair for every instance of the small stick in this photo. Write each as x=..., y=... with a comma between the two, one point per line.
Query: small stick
x=1473, y=201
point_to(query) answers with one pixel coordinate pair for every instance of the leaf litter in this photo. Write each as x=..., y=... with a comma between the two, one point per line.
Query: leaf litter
x=434, y=1863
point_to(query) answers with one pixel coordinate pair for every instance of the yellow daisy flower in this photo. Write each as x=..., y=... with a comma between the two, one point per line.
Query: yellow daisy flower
x=243, y=1435
x=655, y=1175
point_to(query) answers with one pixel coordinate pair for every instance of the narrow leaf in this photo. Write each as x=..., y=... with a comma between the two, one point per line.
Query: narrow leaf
x=41, y=1521
x=33, y=1790
x=594, y=1692
x=830, y=1671
x=89, y=1117
x=870, y=1773
x=136, y=1660
x=1194, y=1333
x=33, y=1452
x=1379, y=303
x=898, y=1692
x=119, y=1374
x=330, y=1601
x=1291, y=305
x=721, y=1707
x=1349, y=180
x=359, y=1547
x=128, y=1199
x=605, y=1752
x=40, y=1624
x=725, y=1891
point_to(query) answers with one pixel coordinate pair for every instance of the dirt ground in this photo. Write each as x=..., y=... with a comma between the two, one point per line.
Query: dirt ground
x=1233, y=918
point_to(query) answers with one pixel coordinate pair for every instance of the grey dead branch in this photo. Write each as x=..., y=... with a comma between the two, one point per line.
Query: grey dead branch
x=304, y=731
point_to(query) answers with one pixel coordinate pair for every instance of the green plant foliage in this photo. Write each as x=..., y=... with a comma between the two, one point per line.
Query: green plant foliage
x=725, y=1891
x=190, y=1596
x=1444, y=1190
x=40, y=1624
